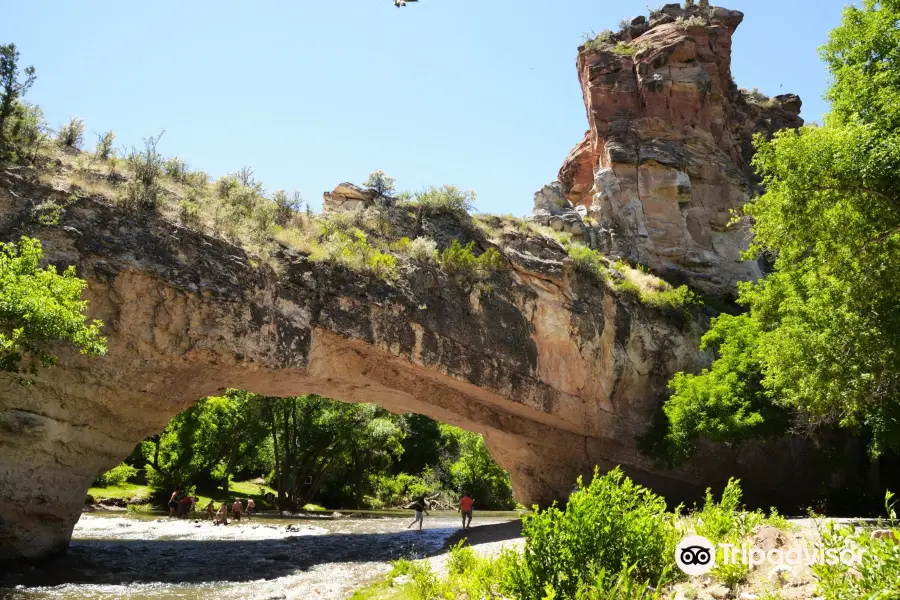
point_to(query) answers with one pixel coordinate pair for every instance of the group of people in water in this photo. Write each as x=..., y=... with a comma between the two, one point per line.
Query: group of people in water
x=181, y=507
x=422, y=503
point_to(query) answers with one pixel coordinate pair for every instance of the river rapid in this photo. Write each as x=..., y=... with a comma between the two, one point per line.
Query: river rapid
x=140, y=556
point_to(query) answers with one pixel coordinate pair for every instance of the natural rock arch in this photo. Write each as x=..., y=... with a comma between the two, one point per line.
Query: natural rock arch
x=557, y=373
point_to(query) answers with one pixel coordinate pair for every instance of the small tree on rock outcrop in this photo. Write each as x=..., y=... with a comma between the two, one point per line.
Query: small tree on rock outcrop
x=11, y=88
x=380, y=185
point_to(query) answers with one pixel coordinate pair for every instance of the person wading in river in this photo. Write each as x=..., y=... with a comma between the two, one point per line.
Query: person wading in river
x=222, y=515
x=185, y=506
x=465, y=507
x=173, y=503
x=236, y=510
x=211, y=510
x=251, y=506
x=420, y=506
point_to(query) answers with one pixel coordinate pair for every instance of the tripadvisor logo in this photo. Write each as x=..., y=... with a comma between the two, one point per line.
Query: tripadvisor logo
x=695, y=555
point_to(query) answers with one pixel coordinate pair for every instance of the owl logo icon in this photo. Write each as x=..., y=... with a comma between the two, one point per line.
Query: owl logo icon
x=695, y=555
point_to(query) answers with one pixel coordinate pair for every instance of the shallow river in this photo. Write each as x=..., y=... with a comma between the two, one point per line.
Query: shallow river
x=127, y=555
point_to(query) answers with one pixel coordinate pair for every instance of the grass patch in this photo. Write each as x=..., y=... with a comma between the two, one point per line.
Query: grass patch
x=695, y=21
x=124, y=491
x=627, y=49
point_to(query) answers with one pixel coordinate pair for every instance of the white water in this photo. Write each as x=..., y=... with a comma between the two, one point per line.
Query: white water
x=138, y=557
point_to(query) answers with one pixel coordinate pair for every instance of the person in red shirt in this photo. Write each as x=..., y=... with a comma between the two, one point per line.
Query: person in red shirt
x=465, y=507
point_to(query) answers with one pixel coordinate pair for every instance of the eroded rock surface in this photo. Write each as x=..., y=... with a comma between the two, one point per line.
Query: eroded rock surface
x=667, y=154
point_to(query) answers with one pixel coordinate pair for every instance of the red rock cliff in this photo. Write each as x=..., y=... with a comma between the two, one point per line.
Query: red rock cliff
x=667, y=154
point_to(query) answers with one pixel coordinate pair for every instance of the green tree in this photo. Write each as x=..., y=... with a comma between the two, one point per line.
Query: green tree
x=380, y=184
x=39, y=307
x=821, y=338
x=326, y=449
x=11, y=89
x=476, y=473
x=204, y=445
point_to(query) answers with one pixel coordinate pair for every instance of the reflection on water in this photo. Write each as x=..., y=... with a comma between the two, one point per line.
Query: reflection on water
x=150, y=556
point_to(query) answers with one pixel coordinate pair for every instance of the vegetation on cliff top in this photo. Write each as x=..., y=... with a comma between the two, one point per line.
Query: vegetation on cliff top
x=820, y=342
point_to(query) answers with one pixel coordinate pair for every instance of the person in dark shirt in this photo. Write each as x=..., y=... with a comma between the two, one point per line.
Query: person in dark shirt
x=419, y=505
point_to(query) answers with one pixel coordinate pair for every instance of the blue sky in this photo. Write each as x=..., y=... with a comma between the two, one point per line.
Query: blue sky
x=479, y=93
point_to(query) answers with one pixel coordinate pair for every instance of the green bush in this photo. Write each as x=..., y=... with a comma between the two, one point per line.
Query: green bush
x=354, y=251
x=726, y=520
x=24, y=133
x=627, y=49
x=673, y=300
x=176, y=169
x=610, y=524
x=423, y=249
x=39, y=308
x=447, y=199
x=624, y=586
x=143, y=191
x=12, y=88
x=116, y=476
x=695, y=21
x=459, y=260
x=72, y=133
x=600, y=41
x=877, y=576
x=588, y=261
x=104, y=145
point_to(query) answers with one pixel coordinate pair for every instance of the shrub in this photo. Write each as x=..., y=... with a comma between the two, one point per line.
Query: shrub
x=423, y=249
x=599, y=41
x=588, y=261
x=286, y=206
x=104, y=145
x=474, y=576
x=675, y=300
x=354, y=251
x=877, y=575
x=457, y=260
x=176, y=169
x=72, y=133
x=627, y=49
x=24, y=133
x=624, y=586
x=381, y=185
x=39, y=309
x=147, y=166
x=727, y=521
x=695, y=21
x=689, y=4
x=610, y=523
x=116, y=476
x=11, y=90
x=447, y=199
x=189, y=213
x=628, y=287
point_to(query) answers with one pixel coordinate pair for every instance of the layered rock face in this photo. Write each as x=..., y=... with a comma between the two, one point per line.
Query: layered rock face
x=557, y=372
x=666, y=158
